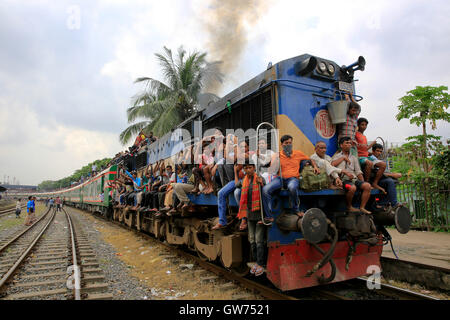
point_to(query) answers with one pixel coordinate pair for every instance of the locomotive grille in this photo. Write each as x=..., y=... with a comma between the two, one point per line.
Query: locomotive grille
x=246, y=114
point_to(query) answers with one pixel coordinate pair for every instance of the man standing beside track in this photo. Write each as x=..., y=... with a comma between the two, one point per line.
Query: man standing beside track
x=18, y=208
x=30, y=211
x=58, y=204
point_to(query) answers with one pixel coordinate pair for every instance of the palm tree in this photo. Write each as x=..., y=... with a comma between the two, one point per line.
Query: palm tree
x=162, y=105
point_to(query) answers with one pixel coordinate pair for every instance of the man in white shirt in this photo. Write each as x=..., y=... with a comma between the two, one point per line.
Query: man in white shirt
x=323, y=161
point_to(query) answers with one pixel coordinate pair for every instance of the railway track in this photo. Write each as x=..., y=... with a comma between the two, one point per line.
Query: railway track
x=51, y=259
x=350, y=290
x=5, y=212
x=431, y=277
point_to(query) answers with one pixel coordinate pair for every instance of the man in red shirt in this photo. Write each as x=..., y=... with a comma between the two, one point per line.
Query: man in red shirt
x=366, y=162
x=290, y=169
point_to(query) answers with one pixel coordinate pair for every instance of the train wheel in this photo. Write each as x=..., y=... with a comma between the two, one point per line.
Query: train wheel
x=241, y=270
x=201, y=255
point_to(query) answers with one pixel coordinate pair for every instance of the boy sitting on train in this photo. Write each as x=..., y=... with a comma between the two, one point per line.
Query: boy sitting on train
x=323, y=161
x=387, y=181
x=367, y=163
x=263, y=157
x=200, y=183
x=345, y=160
x=349, y=128
x=290, y=168
x=250, y=213
x=226, y=167
x=242, y=153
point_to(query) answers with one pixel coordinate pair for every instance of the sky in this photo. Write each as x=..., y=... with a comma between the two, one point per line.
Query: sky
x=67, y=68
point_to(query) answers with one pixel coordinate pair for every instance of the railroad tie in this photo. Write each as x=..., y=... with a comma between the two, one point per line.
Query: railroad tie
x=242, y=297
x=208, y=279
x=228, y=286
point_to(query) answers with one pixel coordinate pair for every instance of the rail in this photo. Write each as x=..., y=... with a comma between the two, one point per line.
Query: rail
x=25, y=253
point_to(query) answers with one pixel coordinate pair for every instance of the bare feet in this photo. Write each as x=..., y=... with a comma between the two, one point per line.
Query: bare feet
x=364, y=210
x=376, y=186
x=300, y=214
x=352, y=209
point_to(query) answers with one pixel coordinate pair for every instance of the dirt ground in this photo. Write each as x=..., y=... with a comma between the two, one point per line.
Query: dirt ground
x=421, y=246
x=165, y=277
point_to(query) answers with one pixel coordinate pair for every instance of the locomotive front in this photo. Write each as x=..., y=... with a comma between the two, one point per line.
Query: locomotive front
x=328, y=244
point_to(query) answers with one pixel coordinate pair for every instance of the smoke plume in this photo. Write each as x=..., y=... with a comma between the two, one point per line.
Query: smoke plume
x=227, y=23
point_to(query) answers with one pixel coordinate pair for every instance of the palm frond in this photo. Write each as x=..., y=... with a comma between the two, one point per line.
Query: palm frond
x=131, y=131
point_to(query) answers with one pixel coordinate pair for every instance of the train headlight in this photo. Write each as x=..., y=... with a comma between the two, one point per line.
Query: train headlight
x=322, y=67
x=331, y=69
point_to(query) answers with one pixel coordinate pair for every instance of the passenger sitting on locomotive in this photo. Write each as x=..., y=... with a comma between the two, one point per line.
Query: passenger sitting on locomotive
x=323, y=161
x=137, y=183
x=152, y=174
x=345, y=160
x=367, y=163
x=290, y=168
x=168, y=197
x=250, y=206
x=152, y=138
x=226, y=167
x=264, y=157
x=387, y=182
x=349, y=128
x=165, y=177
x=197, y=170
x=242, y=153
x=180, y=189
x=207, y=165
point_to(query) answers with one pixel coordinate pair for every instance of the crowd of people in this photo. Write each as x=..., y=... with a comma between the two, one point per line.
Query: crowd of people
x=140, y=142
x=226, y=166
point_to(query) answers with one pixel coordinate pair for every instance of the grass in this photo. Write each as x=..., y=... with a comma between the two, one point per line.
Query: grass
x=9, y=222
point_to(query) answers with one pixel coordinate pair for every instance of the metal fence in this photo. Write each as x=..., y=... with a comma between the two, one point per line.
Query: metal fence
x=428, y=200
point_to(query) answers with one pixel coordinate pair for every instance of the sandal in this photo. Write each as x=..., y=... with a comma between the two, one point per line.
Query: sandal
x=243, y=225
x=259, y=270
x=218, y=226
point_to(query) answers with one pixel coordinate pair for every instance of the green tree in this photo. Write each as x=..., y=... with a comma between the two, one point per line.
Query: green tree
x=422, y=105
x=164, y=104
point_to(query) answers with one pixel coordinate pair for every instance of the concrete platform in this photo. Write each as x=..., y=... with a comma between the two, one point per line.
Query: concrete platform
x=432, y=248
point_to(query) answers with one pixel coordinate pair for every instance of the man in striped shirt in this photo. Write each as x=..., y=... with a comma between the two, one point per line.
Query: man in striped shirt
x=349, y=128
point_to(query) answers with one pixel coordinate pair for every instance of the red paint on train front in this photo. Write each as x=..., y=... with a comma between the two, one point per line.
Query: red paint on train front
x=287, y=265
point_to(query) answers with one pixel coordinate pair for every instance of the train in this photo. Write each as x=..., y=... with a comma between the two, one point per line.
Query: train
x=303, y=97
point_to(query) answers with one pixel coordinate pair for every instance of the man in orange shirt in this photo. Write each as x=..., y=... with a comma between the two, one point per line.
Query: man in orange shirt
x=290, y=169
